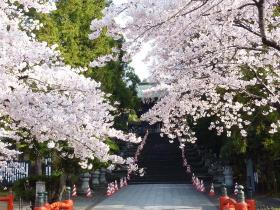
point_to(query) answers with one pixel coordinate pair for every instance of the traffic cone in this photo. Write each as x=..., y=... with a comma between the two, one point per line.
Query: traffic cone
x=193, y=179
x=109, y=192
x=125, y=182
x=212, y=190
x=197, y=184
x=112, y=188
x=89, y=194
x=116, y=185
x=189, y=169
x=121, y=183
x=202, y=188
x=236, y=188
x=74, y=191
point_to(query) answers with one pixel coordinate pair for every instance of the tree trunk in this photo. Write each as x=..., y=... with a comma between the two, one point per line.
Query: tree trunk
x=38, y=166
x=62, y=185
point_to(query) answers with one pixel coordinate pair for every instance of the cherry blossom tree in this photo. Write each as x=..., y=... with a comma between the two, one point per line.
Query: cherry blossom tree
x=53, y=101
x=201, y=52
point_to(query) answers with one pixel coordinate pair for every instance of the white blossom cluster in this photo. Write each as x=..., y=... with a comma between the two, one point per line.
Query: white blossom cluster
x=50, y=99
x=199, y=48
x=103, y=60
x=44, y=6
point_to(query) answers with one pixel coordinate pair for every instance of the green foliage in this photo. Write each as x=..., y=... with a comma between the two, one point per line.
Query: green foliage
x=26, y=188
x=113, y=146
x=112, y=78
x=233, y=148
x=69, y=27
x=277, y=11
x=206, y=137
x=132, y=117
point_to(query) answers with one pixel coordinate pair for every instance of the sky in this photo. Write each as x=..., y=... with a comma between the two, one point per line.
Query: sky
x=141, y=68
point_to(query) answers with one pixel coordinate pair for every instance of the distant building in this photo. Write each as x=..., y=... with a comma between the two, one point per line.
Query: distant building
x=147, y=102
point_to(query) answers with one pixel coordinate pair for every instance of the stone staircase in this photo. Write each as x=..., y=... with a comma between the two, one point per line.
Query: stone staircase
x=162, y=162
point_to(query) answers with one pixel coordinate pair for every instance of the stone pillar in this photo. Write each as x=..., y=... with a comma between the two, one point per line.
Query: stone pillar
x=228, y=176
x=250, y=182
x=46, y=198
x=102, y=178
x=250, y=193
x=40, y=199
x=68, y=193
x=84, y=183
x=95, y=178
x=40, y=187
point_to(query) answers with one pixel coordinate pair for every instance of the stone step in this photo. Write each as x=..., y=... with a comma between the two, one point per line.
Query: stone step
x=163, y=162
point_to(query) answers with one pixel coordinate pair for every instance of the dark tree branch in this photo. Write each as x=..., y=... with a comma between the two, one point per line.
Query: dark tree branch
x=246, y=5
x=239, y=24
x=261, y=18
x=261, y=23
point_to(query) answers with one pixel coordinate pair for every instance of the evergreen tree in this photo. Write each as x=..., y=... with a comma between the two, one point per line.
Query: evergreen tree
x=69, y=27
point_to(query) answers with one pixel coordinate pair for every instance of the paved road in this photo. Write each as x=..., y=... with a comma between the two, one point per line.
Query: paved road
x=157, y=197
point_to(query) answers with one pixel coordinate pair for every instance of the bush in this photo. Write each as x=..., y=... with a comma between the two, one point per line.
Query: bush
x=26, y=188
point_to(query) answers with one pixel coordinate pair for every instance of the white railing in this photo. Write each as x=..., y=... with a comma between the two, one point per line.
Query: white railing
x=14, y=171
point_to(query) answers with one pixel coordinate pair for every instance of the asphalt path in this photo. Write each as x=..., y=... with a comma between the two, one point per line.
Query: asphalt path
x=157, y=197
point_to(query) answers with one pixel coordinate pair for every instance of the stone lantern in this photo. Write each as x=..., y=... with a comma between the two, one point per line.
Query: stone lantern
x=228, y=176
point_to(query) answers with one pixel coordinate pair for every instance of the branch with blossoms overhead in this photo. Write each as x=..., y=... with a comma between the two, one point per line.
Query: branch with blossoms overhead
x=203, y=51
x=41, y=94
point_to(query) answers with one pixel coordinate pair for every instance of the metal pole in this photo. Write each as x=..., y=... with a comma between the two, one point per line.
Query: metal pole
x=20, y=203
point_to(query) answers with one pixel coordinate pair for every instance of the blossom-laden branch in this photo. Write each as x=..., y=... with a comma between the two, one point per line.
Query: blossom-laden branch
x=53, y=101
x=200, y=48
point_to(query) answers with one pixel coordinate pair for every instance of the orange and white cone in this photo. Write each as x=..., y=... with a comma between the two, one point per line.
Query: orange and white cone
x=236, y=188
x=193, y=179
x=74, y=191
x=197, y=184
x=189, y=169
x=89, y=194
x=202, y=188
x=116, y=185
x=125, y=182
x=112, y=188
x=121, y=183
x=212, y=190
x=109, y=192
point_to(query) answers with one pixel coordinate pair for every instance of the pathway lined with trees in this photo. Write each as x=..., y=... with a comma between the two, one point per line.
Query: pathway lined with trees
x=69, y=103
